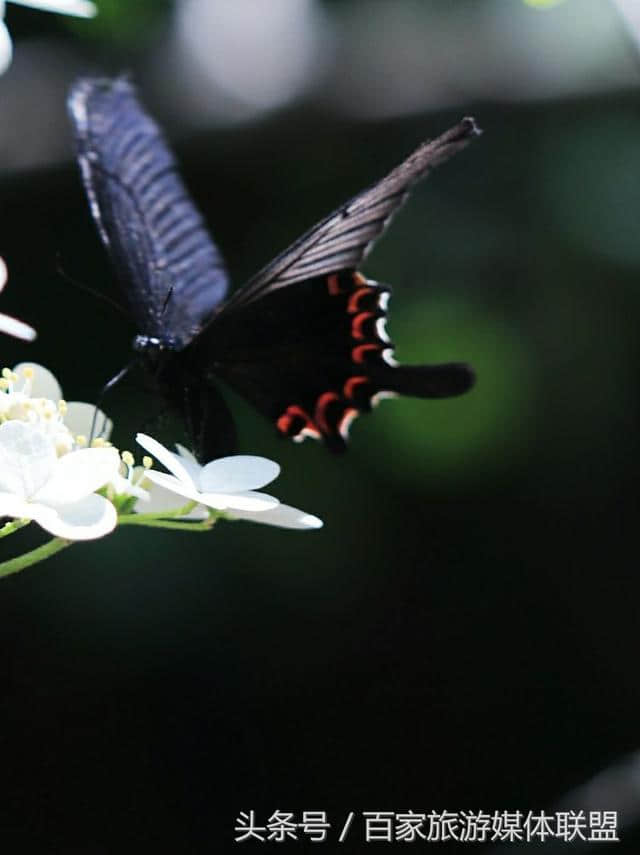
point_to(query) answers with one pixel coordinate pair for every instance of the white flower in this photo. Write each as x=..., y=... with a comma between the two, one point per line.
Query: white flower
x=79, y=8
x=227, y=484
x=283, y=516
x=8, y=325
x=18, y=403
x=127, y=483
x=32, y=394
x=78, y=415
x=6, y=49
x=56, y=492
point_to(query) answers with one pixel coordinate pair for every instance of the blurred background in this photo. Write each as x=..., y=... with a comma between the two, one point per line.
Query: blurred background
x=462, y=634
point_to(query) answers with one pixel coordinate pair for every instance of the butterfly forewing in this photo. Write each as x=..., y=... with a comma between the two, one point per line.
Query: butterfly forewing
x=171, y=272
x=342, y=240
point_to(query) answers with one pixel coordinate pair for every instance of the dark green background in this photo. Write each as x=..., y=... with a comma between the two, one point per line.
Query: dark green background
x=463, y=633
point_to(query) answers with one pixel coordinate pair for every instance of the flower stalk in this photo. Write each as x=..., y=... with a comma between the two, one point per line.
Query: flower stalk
x=12, y=526
x=28, y=559
x=170, y=520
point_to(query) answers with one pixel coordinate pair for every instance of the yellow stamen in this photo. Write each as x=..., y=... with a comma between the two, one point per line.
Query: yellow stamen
x=127, y=458
x=147, y=462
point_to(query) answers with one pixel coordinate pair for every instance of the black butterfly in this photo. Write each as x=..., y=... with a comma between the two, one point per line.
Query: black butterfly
x=303, y=340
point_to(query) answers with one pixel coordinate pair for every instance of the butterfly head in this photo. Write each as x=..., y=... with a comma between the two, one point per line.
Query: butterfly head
x=151, y=345
x=156, y=353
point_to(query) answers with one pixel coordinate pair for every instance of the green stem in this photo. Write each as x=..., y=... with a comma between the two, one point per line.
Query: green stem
x=134, y=519
x=171, y=520
x=15, y=565
x=14, y=525
x=162, y=515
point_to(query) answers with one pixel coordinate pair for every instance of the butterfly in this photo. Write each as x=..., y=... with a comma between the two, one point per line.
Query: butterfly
x=304, y=340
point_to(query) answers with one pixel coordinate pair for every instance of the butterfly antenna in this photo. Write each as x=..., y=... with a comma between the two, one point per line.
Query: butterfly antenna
x=81, y=286
x=108, y=385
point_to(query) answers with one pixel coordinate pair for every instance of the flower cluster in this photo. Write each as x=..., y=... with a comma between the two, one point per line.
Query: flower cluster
x=46, y=474
x=58, y=469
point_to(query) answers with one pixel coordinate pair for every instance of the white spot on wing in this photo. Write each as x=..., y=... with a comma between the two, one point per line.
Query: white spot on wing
x=382, y=396
x=305, y=433
x=346, y=422
x=381, y=330
x=387, y=355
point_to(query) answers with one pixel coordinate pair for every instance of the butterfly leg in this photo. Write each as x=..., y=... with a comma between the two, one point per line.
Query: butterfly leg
x=108, y=386
x=208, y=421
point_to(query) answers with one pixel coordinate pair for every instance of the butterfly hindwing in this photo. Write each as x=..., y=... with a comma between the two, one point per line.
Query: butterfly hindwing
x=171, y=271
x=313, y=357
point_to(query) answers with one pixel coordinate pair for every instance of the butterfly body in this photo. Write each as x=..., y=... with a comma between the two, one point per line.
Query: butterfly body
x=304, y=340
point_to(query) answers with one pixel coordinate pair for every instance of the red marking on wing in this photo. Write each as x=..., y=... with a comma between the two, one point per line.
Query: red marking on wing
x=354, y=300
x=357, y=323
x=287, y=419
x=358, y=278
x=334, y=285
x=352, y=383
x=321, y=406
x=358, y=354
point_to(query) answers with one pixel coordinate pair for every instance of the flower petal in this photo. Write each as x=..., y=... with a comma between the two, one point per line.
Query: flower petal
x=174, y=485
x=27, y=458
x=79, y=419
x=283, y=516
x=79, y=8
x=168, y=459
x=17, y=329
x=91, y=517
x=185, y=454
x=247, y=501
x=43, y=384
x=166, y=500
x=237, y=473
x=188, y=460
x=9, y=325
x=13, y=506
x=78, y=474
x=6, y=48
x=124, y=487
